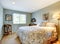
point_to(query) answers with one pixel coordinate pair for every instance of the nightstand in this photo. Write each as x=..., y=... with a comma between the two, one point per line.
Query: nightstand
x=7, y=29
x=32, y=24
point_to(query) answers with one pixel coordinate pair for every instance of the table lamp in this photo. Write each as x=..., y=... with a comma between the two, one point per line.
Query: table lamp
x=57, y=17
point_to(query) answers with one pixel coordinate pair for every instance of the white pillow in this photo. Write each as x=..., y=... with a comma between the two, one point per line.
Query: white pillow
x=38, y=24
x=42, y=24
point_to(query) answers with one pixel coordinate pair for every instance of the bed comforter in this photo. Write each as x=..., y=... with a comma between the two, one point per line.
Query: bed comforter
x=34, y=34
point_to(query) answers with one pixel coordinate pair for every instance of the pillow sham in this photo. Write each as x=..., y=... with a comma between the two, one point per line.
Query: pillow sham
x=51, y=24
x=47, y=24
x=42, y=24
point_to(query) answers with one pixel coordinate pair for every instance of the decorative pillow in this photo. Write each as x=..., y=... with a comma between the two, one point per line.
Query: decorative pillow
x=42, y=24
x=48, y=24
x=51, y=24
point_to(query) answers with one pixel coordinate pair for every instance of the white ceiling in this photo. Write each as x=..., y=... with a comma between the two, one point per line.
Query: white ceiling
x=26, y=5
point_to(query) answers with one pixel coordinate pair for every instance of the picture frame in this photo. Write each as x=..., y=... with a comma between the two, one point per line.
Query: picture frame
x=46, y=16
x=8, y=17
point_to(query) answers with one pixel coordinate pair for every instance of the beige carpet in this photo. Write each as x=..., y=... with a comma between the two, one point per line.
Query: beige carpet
x=11, y=39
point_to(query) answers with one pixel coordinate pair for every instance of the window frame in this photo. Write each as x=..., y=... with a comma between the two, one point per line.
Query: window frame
x=19, y=18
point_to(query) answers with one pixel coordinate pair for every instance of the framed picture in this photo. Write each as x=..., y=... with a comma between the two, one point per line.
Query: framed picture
x=8, y=17
x=46, y=16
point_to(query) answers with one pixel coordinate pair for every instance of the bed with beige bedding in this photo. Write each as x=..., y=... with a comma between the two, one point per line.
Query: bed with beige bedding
x=35, y=34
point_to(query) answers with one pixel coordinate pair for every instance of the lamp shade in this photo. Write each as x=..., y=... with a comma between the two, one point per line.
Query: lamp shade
x=56, y=16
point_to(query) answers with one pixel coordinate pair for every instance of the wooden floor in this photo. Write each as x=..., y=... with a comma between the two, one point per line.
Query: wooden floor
x=13, y=39
x=58, y=42
x=10, y=39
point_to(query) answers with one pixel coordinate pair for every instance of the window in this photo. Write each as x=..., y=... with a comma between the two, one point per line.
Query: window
x=19, y=18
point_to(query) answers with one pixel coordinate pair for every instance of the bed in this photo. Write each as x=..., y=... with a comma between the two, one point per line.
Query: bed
x=35, y=34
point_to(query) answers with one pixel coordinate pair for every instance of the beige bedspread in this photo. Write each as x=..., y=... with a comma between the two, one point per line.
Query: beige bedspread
x=34, y=34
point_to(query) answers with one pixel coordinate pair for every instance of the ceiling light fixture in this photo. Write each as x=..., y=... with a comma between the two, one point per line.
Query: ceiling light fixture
x=13, y=2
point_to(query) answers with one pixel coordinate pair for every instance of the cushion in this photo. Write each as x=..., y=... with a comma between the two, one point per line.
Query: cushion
x=51, y=24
